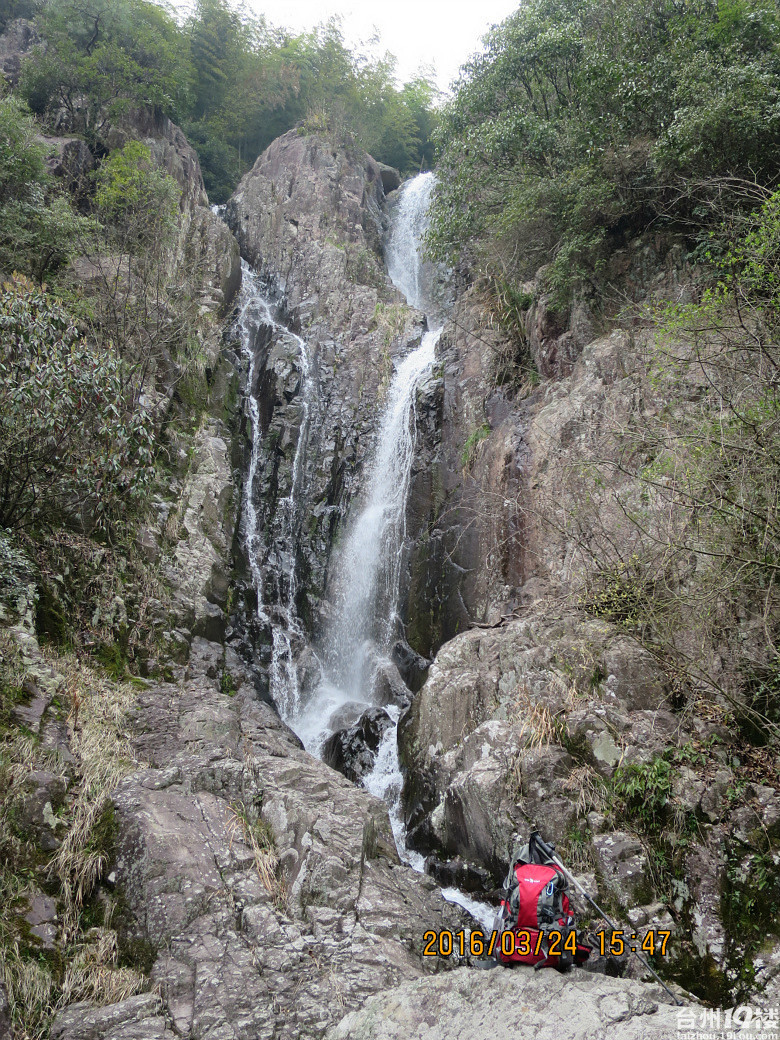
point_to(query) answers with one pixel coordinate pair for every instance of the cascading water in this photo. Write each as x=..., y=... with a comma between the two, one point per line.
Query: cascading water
x=280, y=616
x=366, y=584
x=368, y=568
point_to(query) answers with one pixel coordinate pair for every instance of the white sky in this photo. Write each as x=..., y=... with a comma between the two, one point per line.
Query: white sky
x=418, y=32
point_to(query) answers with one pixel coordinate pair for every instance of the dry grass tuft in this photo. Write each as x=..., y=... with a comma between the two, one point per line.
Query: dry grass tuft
x=257, y=835
x=84, y=966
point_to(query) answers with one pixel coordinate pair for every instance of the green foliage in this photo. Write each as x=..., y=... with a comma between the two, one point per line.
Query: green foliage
x=38, y=228
x=138, y=203
x=101, y=58
x=642, y=791
x=619, y=593
x=16, y=575
x=750, y=898
x=474, y=438
x=11, y=9
x=582, y=123
x=73, y=446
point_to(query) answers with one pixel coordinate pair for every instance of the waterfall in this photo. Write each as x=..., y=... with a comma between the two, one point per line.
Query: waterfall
x=367, y=580
x=276, y=554
x=366, y=584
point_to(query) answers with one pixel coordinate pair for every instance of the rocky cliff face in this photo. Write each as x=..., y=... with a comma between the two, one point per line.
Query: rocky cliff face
x=241, y=888
x=308, y=218
x=541, y=716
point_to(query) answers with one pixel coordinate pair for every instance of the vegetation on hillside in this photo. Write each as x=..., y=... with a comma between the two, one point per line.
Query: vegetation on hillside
x=585, y=123
x=585, y=126
x=231, y=81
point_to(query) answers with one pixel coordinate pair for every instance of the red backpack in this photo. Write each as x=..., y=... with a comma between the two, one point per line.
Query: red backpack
x=535, y=923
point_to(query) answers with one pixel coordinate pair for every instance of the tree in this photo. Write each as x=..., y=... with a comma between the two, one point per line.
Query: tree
x=101, y=58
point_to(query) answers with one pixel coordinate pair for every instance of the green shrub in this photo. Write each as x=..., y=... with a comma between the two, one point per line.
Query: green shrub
x=582, y=124
x=642, y=791
x=74, y=444
x=38, y=227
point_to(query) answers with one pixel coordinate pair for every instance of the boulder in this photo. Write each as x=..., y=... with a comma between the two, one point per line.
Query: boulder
x=504, y=1005
x=412, y=667
x=624, y=867
x=391, y=178
x=388, y=687
x=41, y=916
x=353, y=751
x=71, y=162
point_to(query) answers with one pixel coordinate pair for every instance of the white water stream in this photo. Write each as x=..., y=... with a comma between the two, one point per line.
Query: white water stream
x=255, y=313
x=366, y=584
x=367, y=576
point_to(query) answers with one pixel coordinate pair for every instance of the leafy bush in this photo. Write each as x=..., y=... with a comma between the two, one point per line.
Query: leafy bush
x=38, y=228
x=643, y=791
x=136, y=200
x=73, y=445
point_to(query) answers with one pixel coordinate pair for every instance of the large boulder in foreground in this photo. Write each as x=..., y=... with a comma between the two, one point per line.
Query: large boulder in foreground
x=506, y=1004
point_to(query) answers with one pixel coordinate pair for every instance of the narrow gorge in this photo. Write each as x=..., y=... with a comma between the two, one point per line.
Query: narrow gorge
x=359, y=647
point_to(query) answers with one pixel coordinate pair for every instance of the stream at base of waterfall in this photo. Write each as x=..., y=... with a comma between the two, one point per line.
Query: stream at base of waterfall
x=365, y=587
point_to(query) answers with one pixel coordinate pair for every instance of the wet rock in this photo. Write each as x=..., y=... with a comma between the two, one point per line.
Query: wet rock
x=391, y=178
x=459, y=873
x=505, y=1004
x=413, y=668
x=308, y=217
x=353, y=751
x=388, y=686
x=346, y=715
x=624, y=867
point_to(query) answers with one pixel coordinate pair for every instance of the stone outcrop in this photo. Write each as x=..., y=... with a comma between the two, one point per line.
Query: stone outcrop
x=206, y=254
x=259, y=886
x=468, y=559
x=352, y=751
x=19, y=39
x=206, y=515
x=308, y=217
x=508, y=1004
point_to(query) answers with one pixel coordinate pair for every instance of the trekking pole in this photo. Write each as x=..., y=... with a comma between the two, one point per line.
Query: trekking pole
x=549, y=851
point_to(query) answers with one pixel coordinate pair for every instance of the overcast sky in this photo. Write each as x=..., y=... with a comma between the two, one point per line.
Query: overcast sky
x=418, y=32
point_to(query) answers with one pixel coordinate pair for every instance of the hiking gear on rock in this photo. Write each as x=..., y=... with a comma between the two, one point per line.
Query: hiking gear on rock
x=535, y=923
x=541, y=848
